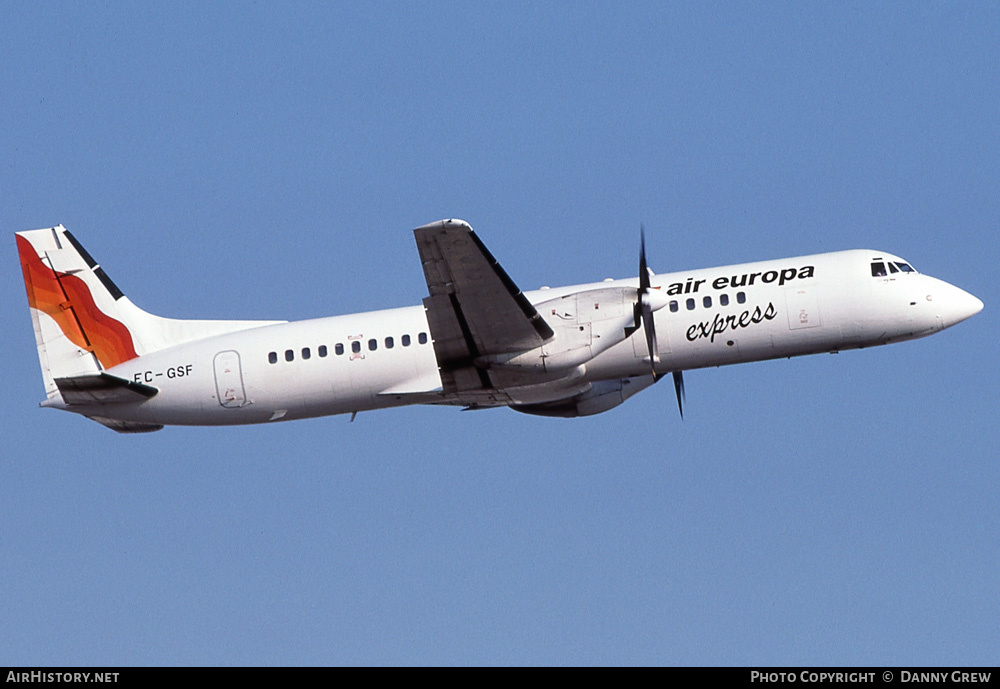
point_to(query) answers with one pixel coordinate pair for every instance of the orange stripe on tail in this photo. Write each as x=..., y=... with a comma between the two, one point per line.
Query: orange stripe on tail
x=67, y=299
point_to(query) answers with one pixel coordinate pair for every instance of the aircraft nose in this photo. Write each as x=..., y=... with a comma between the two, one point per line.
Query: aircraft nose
x=955, y=305
x=973, y=304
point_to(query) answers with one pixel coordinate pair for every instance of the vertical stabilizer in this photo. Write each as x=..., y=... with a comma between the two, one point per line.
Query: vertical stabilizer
x=72, y=305
x=83, y=323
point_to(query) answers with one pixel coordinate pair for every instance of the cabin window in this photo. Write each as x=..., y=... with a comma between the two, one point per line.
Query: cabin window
x=707, y=301
x=690, y=304
x=406, y=340
x=289, y=355
x=422, y=338
x=724, y=299
x=674, y=306
x=389, y=343
x=356, y=346
x=306, y=353
x=373, y=344
x=322, y=351
x=338, y=348
x=878, y=269
x=741, y=297
x=272, y=358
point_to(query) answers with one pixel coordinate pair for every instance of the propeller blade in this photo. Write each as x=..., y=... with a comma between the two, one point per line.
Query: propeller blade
x=645, y=300
x=679, y=389
x=643, y=271
x=644, y=309
x=650, y=327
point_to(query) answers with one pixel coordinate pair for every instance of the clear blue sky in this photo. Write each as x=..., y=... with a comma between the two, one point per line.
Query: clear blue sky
x=269, y=160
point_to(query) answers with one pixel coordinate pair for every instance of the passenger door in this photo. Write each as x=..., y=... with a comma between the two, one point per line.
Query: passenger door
x=229, y=380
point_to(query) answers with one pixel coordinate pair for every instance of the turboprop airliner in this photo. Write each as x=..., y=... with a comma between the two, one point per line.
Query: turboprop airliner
x=476, y=341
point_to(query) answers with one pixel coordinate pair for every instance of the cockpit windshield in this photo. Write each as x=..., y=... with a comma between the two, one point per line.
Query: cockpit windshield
x=882, y=268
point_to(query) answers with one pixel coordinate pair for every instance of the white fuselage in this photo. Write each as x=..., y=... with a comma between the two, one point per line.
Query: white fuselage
x=716, y=316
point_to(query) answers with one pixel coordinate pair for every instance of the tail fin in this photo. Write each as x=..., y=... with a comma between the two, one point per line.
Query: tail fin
x=83, y=323
x=73, y=307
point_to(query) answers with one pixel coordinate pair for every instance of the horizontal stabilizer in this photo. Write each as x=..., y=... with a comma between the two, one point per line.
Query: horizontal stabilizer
x=102, y=388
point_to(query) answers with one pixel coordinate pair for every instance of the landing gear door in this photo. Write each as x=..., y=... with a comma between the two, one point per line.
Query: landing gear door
x=229, y=380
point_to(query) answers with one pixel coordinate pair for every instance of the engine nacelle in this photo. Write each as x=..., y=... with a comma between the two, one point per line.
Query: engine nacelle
x=602, y=396
x=585, y=324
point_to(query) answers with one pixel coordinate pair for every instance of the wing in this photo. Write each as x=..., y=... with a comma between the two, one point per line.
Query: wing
x=474, y=308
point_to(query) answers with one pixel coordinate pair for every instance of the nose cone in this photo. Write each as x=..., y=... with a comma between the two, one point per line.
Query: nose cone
x=973, y=305
x=954, y=305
